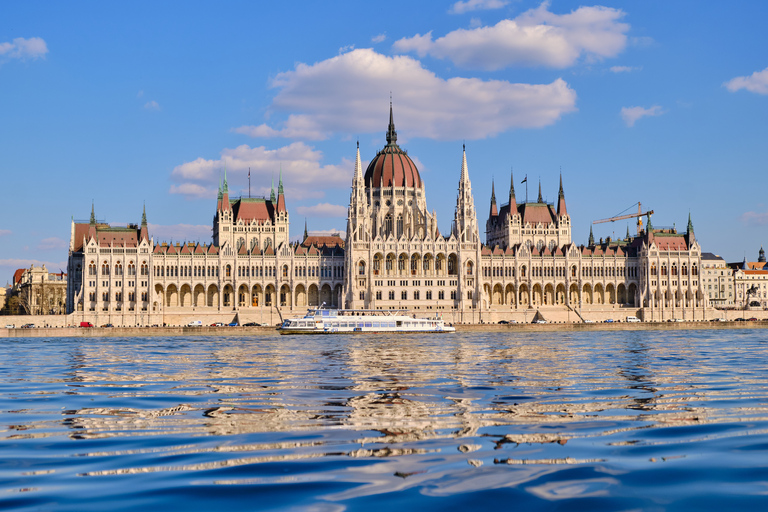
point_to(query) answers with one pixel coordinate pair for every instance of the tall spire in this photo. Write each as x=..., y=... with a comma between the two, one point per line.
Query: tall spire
x=272, y=192
x=561, y=210
x=225, y=190
x=93, y=214
x=690, y=223
x=649, y=226
x=540, y=200
x=494, y=210
x=464, y=171
x=591, y=237
x=144, y=215
x=219, y=194
x=306, y=233
x=143, y=233
x=627, y=233
x=512, y=200
x=358, y=164
x=391, y=133
x=280, y=184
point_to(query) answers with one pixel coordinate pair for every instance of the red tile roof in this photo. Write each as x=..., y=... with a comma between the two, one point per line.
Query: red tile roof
x=318, y=240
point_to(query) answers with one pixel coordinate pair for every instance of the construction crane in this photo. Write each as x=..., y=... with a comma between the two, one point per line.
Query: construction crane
x=639, y=215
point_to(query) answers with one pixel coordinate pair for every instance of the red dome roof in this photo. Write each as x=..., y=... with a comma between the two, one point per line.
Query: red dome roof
x=392, y=166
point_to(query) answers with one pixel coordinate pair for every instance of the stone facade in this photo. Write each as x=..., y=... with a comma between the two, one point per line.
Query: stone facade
x=42, y=292
x=393, y=257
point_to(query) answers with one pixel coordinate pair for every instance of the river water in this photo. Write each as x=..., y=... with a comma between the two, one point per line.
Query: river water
x=644, y=420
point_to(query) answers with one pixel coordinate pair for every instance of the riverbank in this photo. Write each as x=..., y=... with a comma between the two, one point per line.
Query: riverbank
x=95, y=332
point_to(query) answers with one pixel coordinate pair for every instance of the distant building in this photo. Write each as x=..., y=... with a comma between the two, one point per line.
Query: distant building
x=750, y=280
x=717, y=280
x=42, y=292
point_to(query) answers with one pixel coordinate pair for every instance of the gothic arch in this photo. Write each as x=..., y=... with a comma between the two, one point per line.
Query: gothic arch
x=549, y=295
x=242, y=296
x=573, y=294
x=632, y=294
x=536, y=295
x=313, y=295
x=257, y=296
x=599, y=294
x=185, y=296
x=199, y=296
x=498, y=295
x=285, y=296
x=522, y=295
x=325, y=295
x=213, y=296
x=560, y=294
x=509, y=295
x=171, y=296
x=301, y=295
x=621, y=294
x=586, y=294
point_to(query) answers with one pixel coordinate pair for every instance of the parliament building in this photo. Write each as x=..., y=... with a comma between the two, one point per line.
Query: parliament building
x=392, y=257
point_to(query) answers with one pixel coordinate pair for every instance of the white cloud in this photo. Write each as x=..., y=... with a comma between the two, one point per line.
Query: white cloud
x=52, y=243
x=535, y=38
x=322, y=210
x=303, y=175
x=152, y=105
x=348, y=93
x=347, y=48
x=18, y=263
x=180, y=232
x=757, y=82
x=476, y=5
x=755, y=218
x=296, y=127
x=630, y=115
x=140, y=94
x=624, y=69
x=4, y=232
x=20, y=48
x=379, y=38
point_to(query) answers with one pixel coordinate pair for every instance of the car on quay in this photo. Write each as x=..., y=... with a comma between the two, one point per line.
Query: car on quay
x=608, y=321
x=28, y=326
x=632, y=320
x=10, y=326
x=195, y=323
x=233, y=324
x=252, y=324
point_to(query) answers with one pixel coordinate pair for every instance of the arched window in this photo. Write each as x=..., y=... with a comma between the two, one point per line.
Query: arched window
x=663, y=269
x=470, y=266
x=685, y=269
x=674, y=269
x=361, y=268
x=694, y=270
x=254, y=244
x=653, y=269
x=285, y=270
x=522, y=271
x=92, y=269
x=399, y=226
x=228, y=271
x=268, y=242
x=144, y=268
x=388, y=225
x=573, y=271
x=240, y=243
x=118, y=269
x=131, y=269
x=104, y=269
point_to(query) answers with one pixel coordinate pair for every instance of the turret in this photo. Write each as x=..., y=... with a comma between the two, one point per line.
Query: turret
x=144, y=234
x=540, y=200
x=561, y=210
x=494, y=211
x=512, y=200
x=591, y=237
x=280, y=195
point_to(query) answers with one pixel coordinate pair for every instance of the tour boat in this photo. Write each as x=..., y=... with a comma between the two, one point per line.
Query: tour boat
x=355, y=321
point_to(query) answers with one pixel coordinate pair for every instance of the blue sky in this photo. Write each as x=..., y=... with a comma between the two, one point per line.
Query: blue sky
x=145, y=103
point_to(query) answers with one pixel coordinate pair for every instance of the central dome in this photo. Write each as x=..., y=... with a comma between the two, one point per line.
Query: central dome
x=392, y=166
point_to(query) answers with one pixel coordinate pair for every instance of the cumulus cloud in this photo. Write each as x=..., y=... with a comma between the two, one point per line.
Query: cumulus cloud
x=630, y=115
x=757, y=82
x=152, y=105
x=52, y=243
x=24, y=49
x=4, y=232
x=624, y=69
x=755, y=218
x=322, y=210
x=347, y=94
x=476, y=5
x=537, y=37
x=180, y=232
x=303, y=174
x=379, y=38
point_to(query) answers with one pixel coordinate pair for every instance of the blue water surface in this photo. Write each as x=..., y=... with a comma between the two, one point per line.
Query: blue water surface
x=623, y=420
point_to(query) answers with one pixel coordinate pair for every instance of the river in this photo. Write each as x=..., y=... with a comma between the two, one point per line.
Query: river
x=645, y=420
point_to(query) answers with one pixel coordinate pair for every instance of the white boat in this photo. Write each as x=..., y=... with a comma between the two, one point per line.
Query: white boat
x=357, y=321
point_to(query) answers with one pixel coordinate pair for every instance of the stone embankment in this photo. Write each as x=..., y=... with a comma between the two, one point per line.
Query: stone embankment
x=94, y=332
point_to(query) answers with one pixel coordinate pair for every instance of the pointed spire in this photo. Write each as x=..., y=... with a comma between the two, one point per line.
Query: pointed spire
x=464, y=170
x=512, y=200
x=225, y=190
x=144, y=215
x=272, y=192
x=93, y=214
x=391, y=133
x=306, y=233
x=591, y=237
x=561, y=209
x=494, y=210
x=540, y=200
x=649, y=227
x=218, y=196
x=358, y=165
x=280, y=184
x=627, y=233
x=690, y=223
